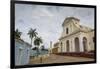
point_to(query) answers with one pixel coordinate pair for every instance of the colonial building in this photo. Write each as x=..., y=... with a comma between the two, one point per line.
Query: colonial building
x=55, y=48
x=22, y=52
x=75, y=37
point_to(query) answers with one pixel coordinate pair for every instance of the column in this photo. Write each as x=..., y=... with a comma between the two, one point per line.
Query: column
x=81, y=44
x=73, y=45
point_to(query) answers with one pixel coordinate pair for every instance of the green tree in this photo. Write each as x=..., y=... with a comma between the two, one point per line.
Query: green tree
x=32, y=33
x=18, y=34
x=37, y=42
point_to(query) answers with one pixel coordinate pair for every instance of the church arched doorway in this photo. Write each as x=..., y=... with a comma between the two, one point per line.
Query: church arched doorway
x=85, y=44
x=67, y=46
x=77, y=48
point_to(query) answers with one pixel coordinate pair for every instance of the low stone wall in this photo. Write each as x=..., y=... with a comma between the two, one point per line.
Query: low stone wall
x=78, y=54
x=38, y=59
x=44, y=56
x=39, y=56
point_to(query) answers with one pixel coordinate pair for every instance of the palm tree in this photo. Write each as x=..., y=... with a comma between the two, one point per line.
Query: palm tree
x=32, y=33
x=37, y=43
x=18, y=34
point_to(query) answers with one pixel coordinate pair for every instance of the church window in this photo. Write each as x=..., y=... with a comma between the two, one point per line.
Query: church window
x=67, y=31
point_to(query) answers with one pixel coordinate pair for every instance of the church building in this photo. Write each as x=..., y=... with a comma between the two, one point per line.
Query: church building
x=75, y=37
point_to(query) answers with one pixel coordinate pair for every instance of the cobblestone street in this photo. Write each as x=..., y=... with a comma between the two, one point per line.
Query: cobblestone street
x=59, y=59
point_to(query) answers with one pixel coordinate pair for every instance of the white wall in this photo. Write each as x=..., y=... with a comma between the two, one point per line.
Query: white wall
x=22, y=53
x=5, y=34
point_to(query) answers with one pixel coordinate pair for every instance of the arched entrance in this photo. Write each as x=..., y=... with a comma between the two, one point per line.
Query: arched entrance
x=85, y=44
x=77, y=48
x=67, y=46
x=61, y=47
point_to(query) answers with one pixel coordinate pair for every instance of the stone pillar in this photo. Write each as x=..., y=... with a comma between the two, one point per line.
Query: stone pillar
x=70, y=45
x=81, y=44
x=73, y=45
x=88, y=45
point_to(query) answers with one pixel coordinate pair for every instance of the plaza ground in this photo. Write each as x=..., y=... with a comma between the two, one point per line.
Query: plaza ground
x=58, y=59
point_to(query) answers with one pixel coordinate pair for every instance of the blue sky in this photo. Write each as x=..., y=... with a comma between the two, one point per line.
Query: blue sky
x=48, y=20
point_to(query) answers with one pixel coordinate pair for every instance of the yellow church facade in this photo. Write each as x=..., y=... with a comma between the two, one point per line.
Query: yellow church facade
x=75, y=37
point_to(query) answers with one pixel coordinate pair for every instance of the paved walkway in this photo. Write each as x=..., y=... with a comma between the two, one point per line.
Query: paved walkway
x=59, y=59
